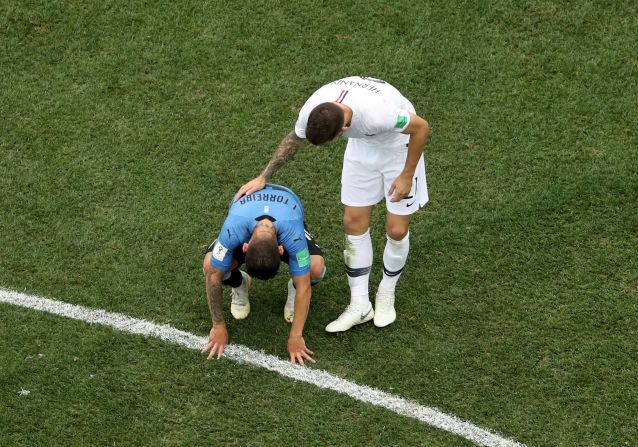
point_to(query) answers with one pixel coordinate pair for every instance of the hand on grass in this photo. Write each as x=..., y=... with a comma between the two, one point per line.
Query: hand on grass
x=217, y=341
x=298, y=351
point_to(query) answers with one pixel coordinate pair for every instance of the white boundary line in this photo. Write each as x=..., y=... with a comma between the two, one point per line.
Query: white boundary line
x=243, y=354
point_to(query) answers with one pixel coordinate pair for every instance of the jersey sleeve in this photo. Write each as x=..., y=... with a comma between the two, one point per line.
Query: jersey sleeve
x=320, y=96
x=295, y=243
x=390, y=119
x=300, y=131
x=302, y=120
x=401, y=120
x=225, y=244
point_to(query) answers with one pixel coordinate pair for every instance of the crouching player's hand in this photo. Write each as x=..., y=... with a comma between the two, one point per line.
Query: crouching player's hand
x=217, y=341
x=298, y=351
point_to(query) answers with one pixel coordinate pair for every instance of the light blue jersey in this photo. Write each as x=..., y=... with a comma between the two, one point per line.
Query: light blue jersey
x=280, y=205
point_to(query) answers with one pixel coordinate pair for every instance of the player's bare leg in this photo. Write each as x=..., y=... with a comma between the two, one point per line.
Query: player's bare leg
x=317, y=271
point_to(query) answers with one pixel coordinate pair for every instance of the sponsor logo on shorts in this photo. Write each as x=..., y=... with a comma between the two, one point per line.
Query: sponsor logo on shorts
x=416, y=187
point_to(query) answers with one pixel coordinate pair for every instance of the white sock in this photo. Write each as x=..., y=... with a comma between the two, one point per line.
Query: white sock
x=395, y=256
x=358, y=258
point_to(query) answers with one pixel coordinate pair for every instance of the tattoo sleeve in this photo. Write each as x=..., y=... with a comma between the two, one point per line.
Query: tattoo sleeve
x=284, y=153
x=214, y=296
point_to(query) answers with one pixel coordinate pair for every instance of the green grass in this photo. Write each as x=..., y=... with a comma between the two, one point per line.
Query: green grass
x=125, y=129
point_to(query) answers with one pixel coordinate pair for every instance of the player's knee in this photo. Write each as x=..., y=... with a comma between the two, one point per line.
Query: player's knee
x=206, y=267
x=396, y=231
x=355, y=225
x=348, y=222
x=316, y=267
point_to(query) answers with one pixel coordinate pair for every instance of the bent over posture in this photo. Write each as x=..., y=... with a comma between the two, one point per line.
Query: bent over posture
x=383, y=159
x=263, y=229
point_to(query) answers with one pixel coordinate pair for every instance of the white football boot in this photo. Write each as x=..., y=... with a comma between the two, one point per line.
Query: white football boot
x=351, y=317
x=289, y=307
x=239, y=305
x=384, y=312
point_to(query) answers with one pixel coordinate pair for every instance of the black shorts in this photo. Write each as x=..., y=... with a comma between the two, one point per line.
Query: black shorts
x=313, y=249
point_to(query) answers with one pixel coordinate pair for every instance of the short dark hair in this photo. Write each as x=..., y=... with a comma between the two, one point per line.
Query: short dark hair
x=324, y=123
x=262, y=258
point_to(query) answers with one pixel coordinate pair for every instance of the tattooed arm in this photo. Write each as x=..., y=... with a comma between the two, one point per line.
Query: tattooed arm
x=284, y=153
x=218, y=336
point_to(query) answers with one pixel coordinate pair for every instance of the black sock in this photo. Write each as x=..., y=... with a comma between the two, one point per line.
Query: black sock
x=234, y=280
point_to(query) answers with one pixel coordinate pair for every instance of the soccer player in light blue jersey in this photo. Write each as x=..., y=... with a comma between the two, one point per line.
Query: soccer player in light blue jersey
x=261, y=230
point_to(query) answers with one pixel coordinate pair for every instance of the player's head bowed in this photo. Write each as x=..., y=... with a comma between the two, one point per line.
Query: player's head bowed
x=325, y=123
x=262, y=258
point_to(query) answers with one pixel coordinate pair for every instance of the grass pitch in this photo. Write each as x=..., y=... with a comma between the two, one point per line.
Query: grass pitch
x=126, y=128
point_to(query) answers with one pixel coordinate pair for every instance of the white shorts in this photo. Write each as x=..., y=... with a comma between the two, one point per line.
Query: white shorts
x=368, y=172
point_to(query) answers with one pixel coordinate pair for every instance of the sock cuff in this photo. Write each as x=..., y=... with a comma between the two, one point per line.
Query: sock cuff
x=402, y=241
x=233, y=278
x=356, y=272
x=359, y=237
x=318, y=280
x=390, y=273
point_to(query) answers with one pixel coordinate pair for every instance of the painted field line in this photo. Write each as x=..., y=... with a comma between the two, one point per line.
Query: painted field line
x=243, y=354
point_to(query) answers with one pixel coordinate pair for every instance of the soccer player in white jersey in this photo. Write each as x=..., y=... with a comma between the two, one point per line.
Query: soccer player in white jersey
x=383, y=160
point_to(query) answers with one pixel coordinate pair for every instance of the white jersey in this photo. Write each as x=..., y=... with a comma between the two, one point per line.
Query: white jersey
x=379, y=111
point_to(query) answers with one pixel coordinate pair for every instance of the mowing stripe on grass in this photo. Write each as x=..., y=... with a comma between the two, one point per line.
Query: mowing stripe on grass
x=243, y=354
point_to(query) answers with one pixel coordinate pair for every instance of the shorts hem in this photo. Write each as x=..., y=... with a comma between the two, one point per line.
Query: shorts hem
x=360, y=204
x=406, y=211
